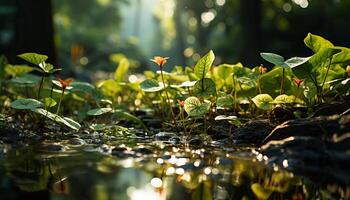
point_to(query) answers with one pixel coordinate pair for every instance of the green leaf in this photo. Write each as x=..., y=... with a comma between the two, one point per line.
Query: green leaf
x=82, y=87
x=121, y=70
x=273, y=58
x=26, y=104
x=150, y=85
x=224, y=71
x=225, y=101
x=185, y=84
x=49, y=102
x=99, y=111
x=33, y=58
x=195, y=108
x=203, y=65
x=284, y=99
x=263, y=101
x=71, y=123
x=17, y=70
x=316, y=43
x=27, y=79
x=296, y=61
x=204, y=88
x=260, y=192
x=66, y=121
x=231, y=119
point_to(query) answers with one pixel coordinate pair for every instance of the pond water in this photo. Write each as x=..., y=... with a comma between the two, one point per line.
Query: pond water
x=145, y=171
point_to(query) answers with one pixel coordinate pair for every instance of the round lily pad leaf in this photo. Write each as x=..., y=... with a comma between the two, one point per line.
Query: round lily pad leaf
x=263, y=101
x=99, y=111
x=204, y=88
x=26, y=104
x=195, y=108
x=224, y=101
x=150, y=85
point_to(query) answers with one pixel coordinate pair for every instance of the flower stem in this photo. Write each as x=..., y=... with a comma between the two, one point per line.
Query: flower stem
x=59, y=104
x=41, y=85
x=282, y=82
x=167, y=95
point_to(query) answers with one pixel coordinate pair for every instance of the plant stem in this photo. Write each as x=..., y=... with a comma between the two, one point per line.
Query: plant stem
x=59, y=104
x=325, y=76
x=41, y=85
x=167, y=95
x=282, y=82
x=258, y=85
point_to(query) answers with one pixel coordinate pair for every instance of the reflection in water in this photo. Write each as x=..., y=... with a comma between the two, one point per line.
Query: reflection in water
x=162, y=172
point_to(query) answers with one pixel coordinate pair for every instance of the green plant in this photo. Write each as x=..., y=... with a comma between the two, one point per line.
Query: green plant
x=40, y=62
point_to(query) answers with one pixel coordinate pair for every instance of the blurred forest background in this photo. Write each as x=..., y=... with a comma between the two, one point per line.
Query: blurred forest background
x=95, y=34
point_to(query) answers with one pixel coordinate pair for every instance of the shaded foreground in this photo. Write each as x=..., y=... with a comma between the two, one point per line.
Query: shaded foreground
x=87, y=166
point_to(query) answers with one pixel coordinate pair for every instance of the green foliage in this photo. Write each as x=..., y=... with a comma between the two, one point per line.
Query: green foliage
x=204, y=64
x=63, y=120
x=263, y=101
x=121, y=70
x=99, y=111
x=204, y=88
x=150, y=85
x=26, y=104
x=279, y=60
x=195, y=108
x=33, y=58
x=49, y=102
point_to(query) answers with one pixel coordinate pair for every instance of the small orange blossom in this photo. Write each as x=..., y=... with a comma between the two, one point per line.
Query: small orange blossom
x=160, y=61
x=298, y=82
x=262, y=69
x=181, y=103
x=65, y=83
x=348, y=69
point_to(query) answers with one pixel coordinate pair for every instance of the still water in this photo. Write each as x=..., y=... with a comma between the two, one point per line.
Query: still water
x=146, y=171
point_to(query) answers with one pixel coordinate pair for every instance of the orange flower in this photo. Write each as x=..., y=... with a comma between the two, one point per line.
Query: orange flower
x=181, y=103
x=262, y=69
x=65, y=83
x=160, y=61
x=298, y=82
x=348, y=69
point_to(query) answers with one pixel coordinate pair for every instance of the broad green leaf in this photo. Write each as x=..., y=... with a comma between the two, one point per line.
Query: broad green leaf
x=121, y=70
x=296, y=61
x=27, y=79
x=150, y=85
x=185, y=84
x=225, y=117
x=66, y=121
x=273, y=58
x=99, y=111
x=225, y=101
x=26, y=104
x=263, y=101
x=17, y=70
x=100, y=127
x=224, y=71
x=82, y=87
x=195, y=108
x=33, y=58
x=204, y=88
x=261, y=192
x=316, y=43
x=203, y=65
x=246, y=81
x=49, y=102
x=284, y=99
x=231, y=119
x=109, y=87
x=71, y=123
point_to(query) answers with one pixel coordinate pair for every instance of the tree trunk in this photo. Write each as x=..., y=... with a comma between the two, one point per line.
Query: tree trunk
x=250, y=17
x=34, y=28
